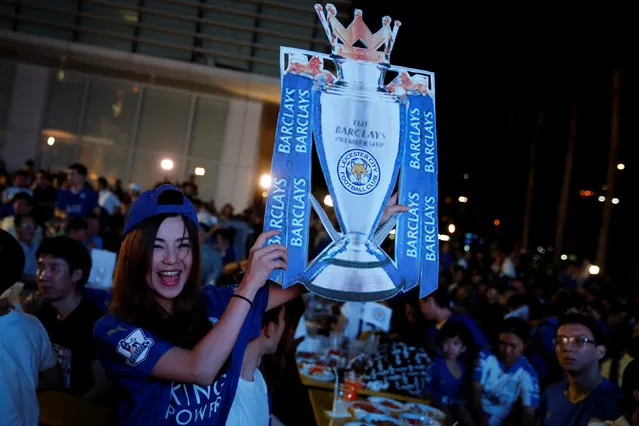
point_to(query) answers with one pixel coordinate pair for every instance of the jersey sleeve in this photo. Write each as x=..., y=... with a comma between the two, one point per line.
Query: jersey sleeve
x=257, y=312
x=216, y=300
x=480, y=366
x=127, y=349
x=530, y=389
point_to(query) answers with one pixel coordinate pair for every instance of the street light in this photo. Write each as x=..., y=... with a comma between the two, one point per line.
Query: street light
x=451, y=228
x=564, y=257
x=615, y=201
x=166, y=164
x=601, y=198
x=621, y=166
x=463, y=199
x=265, y=181
x=50, y=141
x=593, y=269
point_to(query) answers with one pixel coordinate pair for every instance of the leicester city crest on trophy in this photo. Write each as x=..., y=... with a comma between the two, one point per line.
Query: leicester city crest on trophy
x=373, y=126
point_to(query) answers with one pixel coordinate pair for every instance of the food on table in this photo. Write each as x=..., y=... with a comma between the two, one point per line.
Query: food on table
x=385, y=404
x=391, y=404
x=423, y=408
x=316, y=370
x=366, y=406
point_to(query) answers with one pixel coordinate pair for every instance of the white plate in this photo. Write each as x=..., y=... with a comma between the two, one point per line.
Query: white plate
x=376, y=417
x=325, y=376
x=423, y=418
x=378, y=402
x=426, y=409
x=359, y=412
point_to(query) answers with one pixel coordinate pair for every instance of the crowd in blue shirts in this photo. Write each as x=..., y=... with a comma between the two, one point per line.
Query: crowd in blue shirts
x=510, y=340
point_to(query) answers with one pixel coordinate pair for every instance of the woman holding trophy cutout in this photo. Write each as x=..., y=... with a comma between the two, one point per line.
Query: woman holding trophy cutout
x=173, y=349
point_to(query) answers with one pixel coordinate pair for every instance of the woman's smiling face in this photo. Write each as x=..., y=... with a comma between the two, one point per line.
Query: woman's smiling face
x=172, y=259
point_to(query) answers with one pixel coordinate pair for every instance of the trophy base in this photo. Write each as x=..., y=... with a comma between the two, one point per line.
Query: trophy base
x=357, y=272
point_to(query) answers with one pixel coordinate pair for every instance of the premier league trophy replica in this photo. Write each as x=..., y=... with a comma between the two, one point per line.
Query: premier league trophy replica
x=366, y=133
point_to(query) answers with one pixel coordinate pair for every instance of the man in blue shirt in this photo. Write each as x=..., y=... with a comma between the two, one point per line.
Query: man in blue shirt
x=586, y=396
x=436, y=307
x=79, y=199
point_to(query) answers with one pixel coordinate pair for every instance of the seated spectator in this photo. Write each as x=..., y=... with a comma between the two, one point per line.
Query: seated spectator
x=585, y=395
x=26, y=229
x=76, y=229
x=107, y=199
x=22, y=204
x=223, y=239
x=500, y=382
x=631, y=391
x=94, y=240
x=27, y=360
x=68, y=317
x=436, y=307
x=251, y=405
x=541, y=352
x=211, y=258
x=447, y=380
x=21, y=184
x=613, y=368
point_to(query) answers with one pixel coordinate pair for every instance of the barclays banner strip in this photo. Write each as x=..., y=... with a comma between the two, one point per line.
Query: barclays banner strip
x=424, y=108
x=288, y=206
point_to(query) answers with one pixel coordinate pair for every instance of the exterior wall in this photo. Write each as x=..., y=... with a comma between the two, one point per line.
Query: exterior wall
x=24, y=120
x=123, y=130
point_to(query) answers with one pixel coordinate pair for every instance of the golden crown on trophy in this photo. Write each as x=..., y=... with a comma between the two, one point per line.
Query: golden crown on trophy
x=343, y=40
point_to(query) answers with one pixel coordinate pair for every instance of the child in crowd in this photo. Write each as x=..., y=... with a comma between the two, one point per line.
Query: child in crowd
x=447, y=379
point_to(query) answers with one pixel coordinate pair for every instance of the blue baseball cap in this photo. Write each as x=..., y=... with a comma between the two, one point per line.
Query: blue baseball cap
x=165, y=199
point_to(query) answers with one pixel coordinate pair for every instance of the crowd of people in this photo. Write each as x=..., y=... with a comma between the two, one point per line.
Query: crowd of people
x=191, y=330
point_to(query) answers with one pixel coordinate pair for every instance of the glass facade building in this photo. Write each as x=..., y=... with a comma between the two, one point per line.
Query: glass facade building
x=120, y=85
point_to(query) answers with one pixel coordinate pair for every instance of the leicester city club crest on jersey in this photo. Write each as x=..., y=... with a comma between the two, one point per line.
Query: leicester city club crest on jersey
x=135, y=347
x=358, y=171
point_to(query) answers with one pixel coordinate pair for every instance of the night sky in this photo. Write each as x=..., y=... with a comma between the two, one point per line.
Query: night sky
x=494, y=71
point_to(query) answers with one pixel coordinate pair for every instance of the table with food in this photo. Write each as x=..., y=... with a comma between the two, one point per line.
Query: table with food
x=343, y=390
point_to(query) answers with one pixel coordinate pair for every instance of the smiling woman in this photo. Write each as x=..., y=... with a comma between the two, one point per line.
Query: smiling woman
x=176, y=349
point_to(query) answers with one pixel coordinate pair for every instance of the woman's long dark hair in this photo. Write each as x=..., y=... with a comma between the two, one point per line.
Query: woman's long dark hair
x=135, y=303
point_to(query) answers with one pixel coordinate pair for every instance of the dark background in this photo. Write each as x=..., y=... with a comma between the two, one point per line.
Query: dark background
x=495, y=70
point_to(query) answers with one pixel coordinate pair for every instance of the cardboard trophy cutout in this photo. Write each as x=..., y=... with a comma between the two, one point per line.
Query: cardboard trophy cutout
x=367, y=133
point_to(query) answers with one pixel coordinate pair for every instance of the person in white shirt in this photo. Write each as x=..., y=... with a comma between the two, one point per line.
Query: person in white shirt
x=107, y=199
x=251, y=404
x=499, y=382
x=27, y=360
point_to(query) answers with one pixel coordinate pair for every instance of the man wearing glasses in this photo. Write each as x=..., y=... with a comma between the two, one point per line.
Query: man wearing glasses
x=586, y=397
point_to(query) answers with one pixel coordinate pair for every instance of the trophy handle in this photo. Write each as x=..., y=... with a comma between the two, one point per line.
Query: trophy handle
x=335, y=236
x=384, y=230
